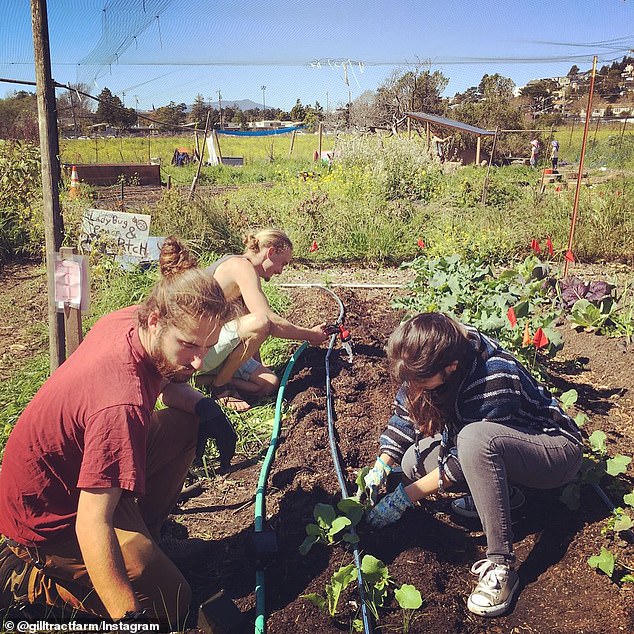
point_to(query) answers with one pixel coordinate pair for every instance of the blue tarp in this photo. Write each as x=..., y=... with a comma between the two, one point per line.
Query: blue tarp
x=260, y=132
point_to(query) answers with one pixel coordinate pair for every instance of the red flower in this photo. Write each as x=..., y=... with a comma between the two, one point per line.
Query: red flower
x=510, y=313
x=549, y=246
x=535, y=246
x=421, y=243
x=540, y=339
x=314, y=246
x=569, y=256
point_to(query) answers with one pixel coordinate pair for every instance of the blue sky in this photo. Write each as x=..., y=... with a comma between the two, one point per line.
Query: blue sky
x=151, y=52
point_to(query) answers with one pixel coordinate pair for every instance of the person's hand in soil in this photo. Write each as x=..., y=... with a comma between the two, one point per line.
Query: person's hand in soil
x=214, y=424
x=374, y=480
x=390, y=509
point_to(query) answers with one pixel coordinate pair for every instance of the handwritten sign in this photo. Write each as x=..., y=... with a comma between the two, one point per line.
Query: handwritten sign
x=117, y=232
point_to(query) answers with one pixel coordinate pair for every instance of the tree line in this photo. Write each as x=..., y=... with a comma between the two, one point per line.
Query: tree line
x=493, y=103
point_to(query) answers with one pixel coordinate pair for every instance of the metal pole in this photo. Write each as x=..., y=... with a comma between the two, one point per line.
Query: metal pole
x=575, y=207
x=49, y=148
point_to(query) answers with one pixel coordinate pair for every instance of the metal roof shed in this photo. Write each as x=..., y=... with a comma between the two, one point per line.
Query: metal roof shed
x=451, y=123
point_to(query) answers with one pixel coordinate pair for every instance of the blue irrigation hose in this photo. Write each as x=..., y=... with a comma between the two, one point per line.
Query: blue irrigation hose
x=260, y=619
x=334, y=450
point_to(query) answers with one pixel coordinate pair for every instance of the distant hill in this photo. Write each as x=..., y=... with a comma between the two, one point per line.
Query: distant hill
x=239, y=104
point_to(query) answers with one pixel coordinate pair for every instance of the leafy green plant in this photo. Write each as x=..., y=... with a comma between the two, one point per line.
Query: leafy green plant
x=608, y=563
x=376, y=580
x=376, y=583
x=409, y=599
x=329, y=524
x=569, y=398
x=476, y=294
x=585, y=314
x=340, y=580
x=619, y=521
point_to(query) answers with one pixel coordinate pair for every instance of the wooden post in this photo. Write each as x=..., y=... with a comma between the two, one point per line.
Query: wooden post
x=200, y=163
x=217, y=141
x=72, y=316
x=478, y=144
x=290, y=151
x=623, y=130
x=49, y=148
x=409, y=128
x=575, y=206
x=486, y=178
x=320, y=138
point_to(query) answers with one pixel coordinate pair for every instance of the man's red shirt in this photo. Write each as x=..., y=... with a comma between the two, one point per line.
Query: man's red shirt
x=85, y=428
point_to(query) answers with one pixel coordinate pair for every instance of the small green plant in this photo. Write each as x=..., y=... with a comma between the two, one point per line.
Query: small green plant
x=376, y=580
x=569, y=398
x=619, y=521
x=409, y=599
x=590, y=317
x=608, y=563
x=376, y=583
x=340, y=580
x=329, y=524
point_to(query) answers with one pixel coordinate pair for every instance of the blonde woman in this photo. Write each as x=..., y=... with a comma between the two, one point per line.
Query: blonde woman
x=232, y=368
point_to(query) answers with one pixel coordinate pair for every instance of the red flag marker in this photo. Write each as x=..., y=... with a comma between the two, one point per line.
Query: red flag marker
x=540, y=339
x=510, y=313
x=569, y=256
x=535, y=246
x=549, y=246
x=314, y=246
x=421, y=243
x=526, y=340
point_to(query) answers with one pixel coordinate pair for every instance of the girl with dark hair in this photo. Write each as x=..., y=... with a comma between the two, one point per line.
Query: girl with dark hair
x=469, y=417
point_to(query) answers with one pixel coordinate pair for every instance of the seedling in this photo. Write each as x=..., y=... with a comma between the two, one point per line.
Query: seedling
x=376, y=582
x=329, y=524
x=608, y=563
x=409, y=599
x=340, y=580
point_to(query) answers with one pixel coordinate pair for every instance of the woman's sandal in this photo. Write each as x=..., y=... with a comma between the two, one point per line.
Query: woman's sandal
x=231, y=400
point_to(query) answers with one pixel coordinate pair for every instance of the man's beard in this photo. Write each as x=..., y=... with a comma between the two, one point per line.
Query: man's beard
x=168, y=370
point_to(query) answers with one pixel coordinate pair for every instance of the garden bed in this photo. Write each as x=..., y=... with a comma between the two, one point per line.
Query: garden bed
x=559, y=591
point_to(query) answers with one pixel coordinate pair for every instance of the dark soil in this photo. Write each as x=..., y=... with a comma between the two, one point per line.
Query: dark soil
x=427, y=548
x=559, y=592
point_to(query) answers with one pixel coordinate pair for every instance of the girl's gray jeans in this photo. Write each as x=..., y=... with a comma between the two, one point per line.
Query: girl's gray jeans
x=488, y=458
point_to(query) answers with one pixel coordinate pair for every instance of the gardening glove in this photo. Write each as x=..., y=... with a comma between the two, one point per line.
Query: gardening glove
x=374, y=480
x=389, y=509
x=214, y=424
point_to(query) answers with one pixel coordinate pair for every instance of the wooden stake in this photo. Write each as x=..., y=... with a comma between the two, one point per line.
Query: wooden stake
x=486, y=178
x=72, y=316
x=217, y=140
x=290, y=151
x=320, y=135
x=49, y=148
x=478, y=144
x=200, y=162
x=575, y=207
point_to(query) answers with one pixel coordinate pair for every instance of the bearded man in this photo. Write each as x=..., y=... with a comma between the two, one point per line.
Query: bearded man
x=91, y=471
